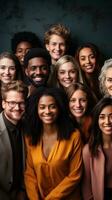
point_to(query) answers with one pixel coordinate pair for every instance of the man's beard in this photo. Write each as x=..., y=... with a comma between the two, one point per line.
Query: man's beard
x=42, y=82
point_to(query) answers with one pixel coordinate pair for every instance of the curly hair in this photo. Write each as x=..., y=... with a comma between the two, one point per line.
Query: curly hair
x=25, y=36
x=64, y=123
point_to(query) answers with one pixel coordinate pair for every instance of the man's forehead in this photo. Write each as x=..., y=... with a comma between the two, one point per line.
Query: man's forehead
x=14, y=93
x=38, y=60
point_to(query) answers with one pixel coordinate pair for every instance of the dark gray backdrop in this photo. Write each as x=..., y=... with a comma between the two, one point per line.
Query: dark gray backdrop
x=88, y=20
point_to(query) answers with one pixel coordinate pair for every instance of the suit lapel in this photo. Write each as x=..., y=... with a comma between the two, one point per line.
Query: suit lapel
x=4, y=137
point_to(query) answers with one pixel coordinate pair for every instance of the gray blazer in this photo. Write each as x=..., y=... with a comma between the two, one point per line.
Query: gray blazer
x=6, y=161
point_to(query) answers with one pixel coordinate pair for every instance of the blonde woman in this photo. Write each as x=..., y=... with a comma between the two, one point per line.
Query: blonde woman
x=66, y=72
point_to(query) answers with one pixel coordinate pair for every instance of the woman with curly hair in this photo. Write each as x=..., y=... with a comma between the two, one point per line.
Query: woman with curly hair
x=22, y=42
x=54, y=160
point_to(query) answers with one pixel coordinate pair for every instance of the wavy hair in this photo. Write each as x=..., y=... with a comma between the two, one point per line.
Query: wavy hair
x=102, y=77
x=60, y=30
x=64, y=59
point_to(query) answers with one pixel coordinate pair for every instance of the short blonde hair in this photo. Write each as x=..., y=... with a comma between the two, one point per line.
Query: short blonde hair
x=17, y=86
x=60, y=30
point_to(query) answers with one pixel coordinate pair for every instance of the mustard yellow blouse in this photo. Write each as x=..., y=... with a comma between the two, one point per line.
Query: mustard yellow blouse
x=57, y=177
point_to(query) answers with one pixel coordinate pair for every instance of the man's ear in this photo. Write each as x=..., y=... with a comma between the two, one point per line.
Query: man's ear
x=3, y=104
x=26, y=71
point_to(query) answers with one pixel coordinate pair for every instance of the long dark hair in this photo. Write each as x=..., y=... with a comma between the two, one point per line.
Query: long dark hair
x=96, y=52
x=95, y=132
x=91, y=80
x=34, y=124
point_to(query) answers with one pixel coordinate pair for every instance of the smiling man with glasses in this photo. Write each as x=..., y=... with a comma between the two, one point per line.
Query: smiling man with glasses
x=12, y=154
x=13, y=104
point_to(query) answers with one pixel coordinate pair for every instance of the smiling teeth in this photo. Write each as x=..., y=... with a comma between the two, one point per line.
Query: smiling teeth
x=78, y=111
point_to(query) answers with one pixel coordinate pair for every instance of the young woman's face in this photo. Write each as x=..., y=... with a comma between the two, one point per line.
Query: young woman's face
x=105, y=120
x=47, y=110
x=7, y=70
x=78, y=103
x=87, y=60
x=108, y=81
x=21, y=50
x=56, y=47
x=67, y=74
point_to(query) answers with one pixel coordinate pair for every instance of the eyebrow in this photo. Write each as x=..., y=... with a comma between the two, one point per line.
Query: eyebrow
x=105, y=114
x=7, y=66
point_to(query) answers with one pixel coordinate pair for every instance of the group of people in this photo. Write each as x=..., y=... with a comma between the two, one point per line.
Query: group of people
x=55, y=120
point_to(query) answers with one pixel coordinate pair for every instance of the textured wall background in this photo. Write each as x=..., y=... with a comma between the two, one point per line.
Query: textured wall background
x=89, y=21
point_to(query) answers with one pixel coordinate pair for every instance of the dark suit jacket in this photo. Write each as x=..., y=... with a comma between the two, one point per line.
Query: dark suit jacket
x=6, y=161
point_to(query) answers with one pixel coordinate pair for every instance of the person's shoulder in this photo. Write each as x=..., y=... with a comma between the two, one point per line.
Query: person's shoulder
x=76, y=134
x=1, y=117
x=2, y=123
x=86, y=151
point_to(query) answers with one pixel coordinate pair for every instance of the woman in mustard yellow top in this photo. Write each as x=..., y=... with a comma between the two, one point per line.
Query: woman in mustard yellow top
x=54, y=159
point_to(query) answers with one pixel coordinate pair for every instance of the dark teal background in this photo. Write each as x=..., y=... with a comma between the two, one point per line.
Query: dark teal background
x=88, y=20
